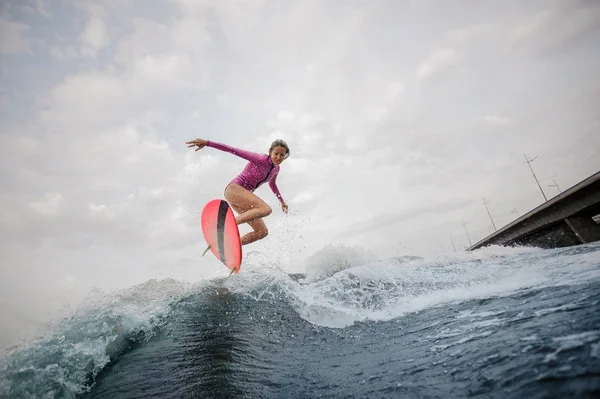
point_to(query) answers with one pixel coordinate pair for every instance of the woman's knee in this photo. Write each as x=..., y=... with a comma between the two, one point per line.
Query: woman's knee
x=267, y=210
x=263, y=233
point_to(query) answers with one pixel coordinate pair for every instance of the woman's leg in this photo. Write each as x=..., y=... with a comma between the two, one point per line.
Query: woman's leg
x=250, y=209
x=260, y=231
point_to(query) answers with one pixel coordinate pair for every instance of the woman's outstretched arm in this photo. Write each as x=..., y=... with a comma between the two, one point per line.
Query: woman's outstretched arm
x=247, y=155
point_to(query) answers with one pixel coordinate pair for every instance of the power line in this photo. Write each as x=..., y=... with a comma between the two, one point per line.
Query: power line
x=452, y=241
x=488, y=211
x=528, y=161
x=555, y=185
x=465, y=227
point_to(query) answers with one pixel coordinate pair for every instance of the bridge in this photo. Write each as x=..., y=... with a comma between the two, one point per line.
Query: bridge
x=571, y=218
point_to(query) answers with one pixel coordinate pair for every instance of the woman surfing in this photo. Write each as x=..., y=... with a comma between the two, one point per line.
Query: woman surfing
x=239, y=193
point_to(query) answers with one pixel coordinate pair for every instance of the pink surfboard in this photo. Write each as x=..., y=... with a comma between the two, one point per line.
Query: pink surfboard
x=221, y=233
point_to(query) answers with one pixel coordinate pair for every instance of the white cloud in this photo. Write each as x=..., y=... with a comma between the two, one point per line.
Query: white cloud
x=303, y=197
x=42, y=6
x=98, y=9
x=158, y=56
x=497, y=120
x=393, y=91
x=13, y=37
x=223, y=99
x=437, y=61
x=64, y=54
x=94, y=37
x=87, y=101
x=48, y=205
x=286, y=116
x=557, y=25
x=458, y=37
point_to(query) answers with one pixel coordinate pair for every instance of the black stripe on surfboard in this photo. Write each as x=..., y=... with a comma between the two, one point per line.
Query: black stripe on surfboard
x=223, y=207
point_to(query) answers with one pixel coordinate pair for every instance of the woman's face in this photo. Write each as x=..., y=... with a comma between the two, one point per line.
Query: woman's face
x=278, y=155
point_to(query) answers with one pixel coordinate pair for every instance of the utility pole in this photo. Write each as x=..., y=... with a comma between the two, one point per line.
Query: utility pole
x=452, y=241
x=465, y=227
x=488, y=211
x=529, y=161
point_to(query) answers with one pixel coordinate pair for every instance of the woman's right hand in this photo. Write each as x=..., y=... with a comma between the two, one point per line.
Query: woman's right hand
x=200, y=143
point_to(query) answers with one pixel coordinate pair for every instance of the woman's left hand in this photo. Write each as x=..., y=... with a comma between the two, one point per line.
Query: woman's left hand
x=284, y=207
x=199, y=143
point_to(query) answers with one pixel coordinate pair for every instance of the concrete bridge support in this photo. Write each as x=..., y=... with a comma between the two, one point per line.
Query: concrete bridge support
x=584, y=228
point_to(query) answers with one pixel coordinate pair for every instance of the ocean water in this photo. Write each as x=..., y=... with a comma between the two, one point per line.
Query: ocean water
x=494, y=323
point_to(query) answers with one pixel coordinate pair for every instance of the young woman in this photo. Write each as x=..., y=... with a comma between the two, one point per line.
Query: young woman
x=239, y=193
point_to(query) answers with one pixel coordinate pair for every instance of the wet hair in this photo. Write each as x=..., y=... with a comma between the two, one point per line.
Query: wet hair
x=280, y=143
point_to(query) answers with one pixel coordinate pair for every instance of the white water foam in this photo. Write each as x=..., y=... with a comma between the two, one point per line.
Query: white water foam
x=343, y=288
x=75, y=348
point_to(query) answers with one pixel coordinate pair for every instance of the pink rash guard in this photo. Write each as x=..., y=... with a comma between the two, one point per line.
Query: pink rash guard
x=258, y=170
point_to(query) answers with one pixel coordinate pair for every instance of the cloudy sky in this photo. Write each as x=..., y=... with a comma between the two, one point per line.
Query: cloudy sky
x=400, y=115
